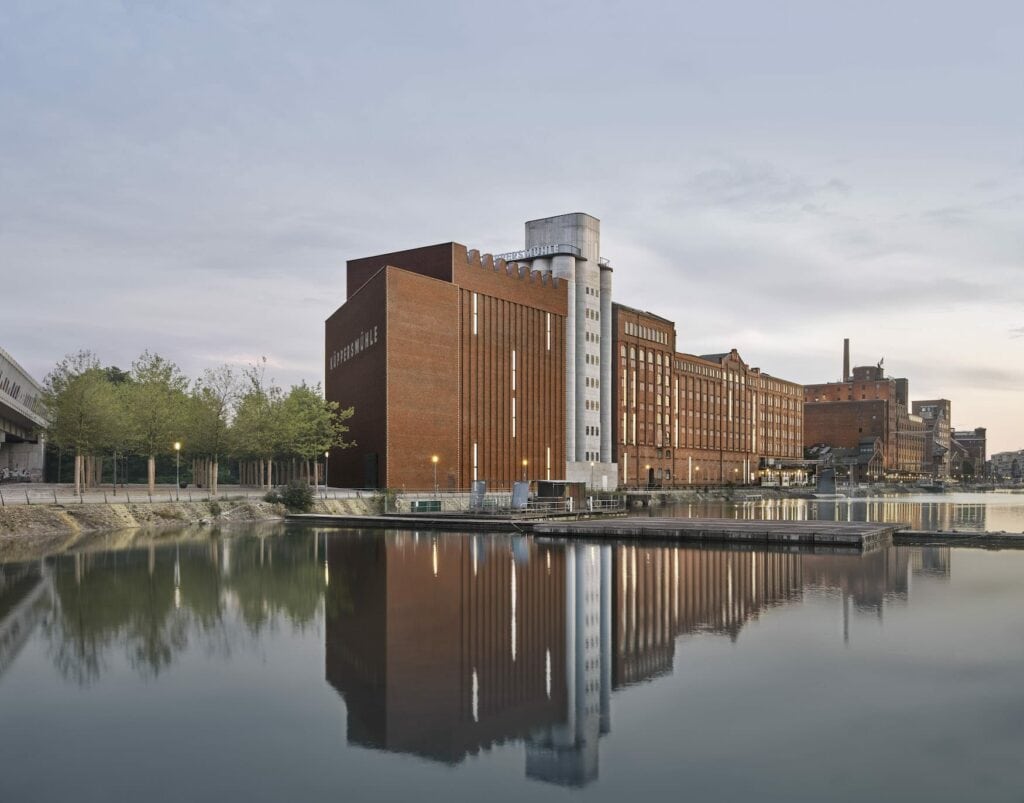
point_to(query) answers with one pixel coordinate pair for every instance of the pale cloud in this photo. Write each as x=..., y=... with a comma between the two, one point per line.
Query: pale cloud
x=191, y=177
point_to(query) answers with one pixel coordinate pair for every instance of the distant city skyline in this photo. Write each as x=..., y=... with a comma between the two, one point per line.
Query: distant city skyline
x=191, y=178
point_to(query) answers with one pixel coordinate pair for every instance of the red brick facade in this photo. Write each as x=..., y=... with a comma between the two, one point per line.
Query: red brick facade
x=870, y=405
x=465, y=361
x=684, y=420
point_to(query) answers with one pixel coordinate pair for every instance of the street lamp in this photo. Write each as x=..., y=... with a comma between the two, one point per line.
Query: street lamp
x=434, y=460
x=177, y=468
x=647, y=470
x=326, y=455
x=697, y=469
x=525, y=464
x=591, y=474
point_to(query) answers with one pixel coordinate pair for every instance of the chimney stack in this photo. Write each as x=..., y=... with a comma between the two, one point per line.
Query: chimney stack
x=846, y=359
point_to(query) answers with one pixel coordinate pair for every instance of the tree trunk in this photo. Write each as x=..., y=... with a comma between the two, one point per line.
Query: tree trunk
x=151, y=472
x=213, y=476
x=78, y=474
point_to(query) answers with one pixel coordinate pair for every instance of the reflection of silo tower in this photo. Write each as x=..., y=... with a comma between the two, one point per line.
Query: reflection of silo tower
x=567, y=753
x=569, y=246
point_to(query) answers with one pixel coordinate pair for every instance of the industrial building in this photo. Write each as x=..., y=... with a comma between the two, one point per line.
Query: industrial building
x=682, y=419
x=455, y=363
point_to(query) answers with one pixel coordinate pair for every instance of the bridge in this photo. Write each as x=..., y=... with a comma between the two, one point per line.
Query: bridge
x=21, y=419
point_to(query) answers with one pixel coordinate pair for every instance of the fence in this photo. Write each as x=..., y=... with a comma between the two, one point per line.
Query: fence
x=64, y=495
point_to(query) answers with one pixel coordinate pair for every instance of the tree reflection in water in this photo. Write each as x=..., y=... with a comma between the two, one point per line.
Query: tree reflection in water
x=152, y=604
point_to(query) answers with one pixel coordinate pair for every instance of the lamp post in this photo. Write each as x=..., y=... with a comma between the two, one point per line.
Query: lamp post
x=647, y=478
x=434, y=459
x=591, y=475
x=177, y=468
x=525, y=464
x=697, y=469
x=326, y=455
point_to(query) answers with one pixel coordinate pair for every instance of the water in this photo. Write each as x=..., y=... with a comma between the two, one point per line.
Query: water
x=339, y=665
x=993, y=512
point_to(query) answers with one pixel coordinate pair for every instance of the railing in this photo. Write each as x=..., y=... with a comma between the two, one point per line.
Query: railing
x=139, y=494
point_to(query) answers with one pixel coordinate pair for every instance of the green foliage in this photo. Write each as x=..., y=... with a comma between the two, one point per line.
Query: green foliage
x=155, y=404
x=214, y=506
x=297, y=496
x=81, y=405
x=96, y=410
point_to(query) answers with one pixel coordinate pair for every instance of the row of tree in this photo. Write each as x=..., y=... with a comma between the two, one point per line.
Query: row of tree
x=95, y=412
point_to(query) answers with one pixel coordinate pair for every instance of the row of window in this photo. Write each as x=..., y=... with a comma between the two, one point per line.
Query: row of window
x=476, y=462
x=646, y=333
x=476, y=321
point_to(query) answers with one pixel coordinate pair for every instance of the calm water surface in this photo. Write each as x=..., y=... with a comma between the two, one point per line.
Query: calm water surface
x=338, y=665
x=992, y=512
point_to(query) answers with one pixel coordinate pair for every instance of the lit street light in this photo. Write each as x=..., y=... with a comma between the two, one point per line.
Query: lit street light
x=525, y=464
x=434, y=460
x=591, y=474
x=647, y=469
x=177, y=468
x=326, y=455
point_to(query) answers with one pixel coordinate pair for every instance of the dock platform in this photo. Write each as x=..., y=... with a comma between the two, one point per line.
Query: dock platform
x=844, y=535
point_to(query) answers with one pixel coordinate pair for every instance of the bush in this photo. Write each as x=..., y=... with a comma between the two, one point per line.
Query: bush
x=297, y=496
x=214, y=506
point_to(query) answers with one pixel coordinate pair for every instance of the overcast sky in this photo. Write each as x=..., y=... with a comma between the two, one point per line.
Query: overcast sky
x=191, y=177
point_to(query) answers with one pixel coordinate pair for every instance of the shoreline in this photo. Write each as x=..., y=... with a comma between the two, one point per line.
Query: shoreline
x=28, y=532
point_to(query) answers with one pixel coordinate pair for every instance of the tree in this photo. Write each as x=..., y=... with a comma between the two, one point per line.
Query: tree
x=258, y=427
x=155, y=406
x=311, y=424
x=81, y=408
x=209, y=417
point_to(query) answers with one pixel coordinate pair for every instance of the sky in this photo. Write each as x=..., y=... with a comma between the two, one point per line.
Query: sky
x=191, y=177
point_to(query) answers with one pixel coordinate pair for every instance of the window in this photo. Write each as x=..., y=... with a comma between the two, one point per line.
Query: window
x=547, y=325
x=474, y=314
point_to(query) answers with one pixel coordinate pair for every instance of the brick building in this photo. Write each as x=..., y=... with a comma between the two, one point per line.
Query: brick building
x=974, y=443
x=937, y=414
x=867, y=404
x=446, y=353
x=682, y=420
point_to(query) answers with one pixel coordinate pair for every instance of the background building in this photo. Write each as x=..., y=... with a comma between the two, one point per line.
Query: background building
x=1008, y=465
x=975, y=447
x=681, y=419
x=937, y=414
x=21, y=421
x=446, y=353
x=868, y=405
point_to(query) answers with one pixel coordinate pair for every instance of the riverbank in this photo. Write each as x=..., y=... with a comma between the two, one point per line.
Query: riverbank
x=28, y=531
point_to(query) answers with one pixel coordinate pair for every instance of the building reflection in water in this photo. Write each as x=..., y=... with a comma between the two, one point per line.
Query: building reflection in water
x=919, y=515
x=445, y=646
x=442, y=646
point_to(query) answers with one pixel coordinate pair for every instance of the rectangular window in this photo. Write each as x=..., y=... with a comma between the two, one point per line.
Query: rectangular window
x=474, y=463
x=547, y=323
x=513, y=369
x=547, y=464
x=474, y=314
x=513, y=416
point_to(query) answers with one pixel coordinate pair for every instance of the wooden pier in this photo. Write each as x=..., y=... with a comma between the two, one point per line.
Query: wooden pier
x=841, y=535
x=835, y=535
